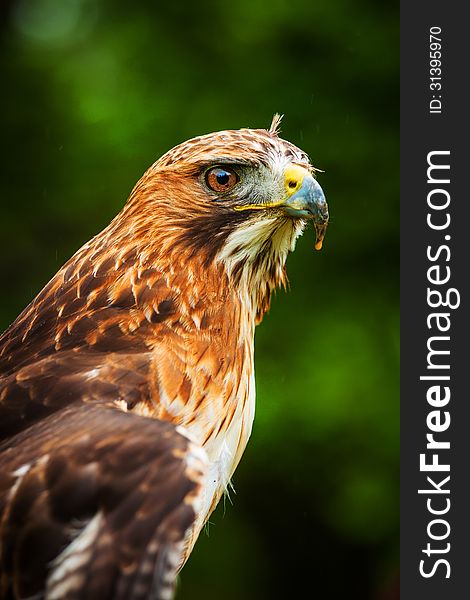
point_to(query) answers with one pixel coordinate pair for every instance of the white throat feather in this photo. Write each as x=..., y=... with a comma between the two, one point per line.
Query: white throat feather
x=254, y=257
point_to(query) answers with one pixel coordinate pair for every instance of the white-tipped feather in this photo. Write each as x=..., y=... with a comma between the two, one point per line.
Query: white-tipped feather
x=65, y=576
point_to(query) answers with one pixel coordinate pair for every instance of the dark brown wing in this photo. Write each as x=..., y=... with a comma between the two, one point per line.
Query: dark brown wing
x=96, y=504
x=39, y=389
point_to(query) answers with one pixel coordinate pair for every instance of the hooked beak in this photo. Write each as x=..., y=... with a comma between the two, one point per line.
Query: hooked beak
x=303, y=198
x=306, y=199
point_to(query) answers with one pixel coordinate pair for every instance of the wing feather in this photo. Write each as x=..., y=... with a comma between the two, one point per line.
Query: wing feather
x=109, y=499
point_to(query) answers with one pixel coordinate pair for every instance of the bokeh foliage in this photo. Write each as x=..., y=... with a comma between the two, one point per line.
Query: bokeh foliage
x=93, y=91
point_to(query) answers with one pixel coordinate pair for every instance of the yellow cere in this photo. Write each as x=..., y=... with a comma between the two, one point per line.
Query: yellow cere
x=293, y=178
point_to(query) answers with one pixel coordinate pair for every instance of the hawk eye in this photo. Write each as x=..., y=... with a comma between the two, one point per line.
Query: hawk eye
x=221, y=179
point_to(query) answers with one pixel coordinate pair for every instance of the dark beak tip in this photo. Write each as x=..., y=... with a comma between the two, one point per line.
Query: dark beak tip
x=320, y=213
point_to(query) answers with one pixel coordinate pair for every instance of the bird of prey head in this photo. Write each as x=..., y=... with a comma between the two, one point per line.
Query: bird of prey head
x=127, y=385
x=239, y=197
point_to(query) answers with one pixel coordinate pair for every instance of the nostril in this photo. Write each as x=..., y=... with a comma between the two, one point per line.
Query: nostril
x=292, y=183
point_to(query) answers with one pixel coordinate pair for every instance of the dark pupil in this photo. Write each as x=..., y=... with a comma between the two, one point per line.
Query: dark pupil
x=222, y=177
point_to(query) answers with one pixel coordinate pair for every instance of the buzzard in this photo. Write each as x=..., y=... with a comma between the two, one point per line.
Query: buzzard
x=127, y=389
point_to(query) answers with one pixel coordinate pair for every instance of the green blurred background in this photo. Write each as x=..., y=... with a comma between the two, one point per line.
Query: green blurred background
x=93, y=91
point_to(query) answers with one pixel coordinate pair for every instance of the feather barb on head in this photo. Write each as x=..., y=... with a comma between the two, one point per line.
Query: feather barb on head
x=275, y=127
